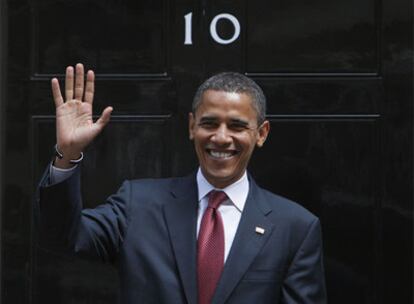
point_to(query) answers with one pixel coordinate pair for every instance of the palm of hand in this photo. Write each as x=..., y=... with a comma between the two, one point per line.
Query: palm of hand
x=74, y=123
x=75, y=128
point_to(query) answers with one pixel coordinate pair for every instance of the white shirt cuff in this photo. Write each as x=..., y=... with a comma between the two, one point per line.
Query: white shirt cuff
x=58, y=175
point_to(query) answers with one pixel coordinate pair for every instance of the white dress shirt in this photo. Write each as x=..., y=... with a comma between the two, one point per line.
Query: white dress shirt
x=230, y=210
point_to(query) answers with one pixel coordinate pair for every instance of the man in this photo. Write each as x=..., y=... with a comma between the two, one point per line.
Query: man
x=211, y=237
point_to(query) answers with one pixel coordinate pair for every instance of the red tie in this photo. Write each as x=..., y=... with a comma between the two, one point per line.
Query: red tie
x=210, y=257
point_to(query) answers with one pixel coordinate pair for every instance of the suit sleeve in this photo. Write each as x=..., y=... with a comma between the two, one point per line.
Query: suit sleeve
x=305, y=280
x=63, y=226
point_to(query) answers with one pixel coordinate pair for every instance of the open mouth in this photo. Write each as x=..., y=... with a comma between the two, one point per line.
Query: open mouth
x=221, y=154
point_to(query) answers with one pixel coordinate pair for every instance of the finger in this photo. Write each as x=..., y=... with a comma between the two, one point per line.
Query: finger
x=69, y=83
x=105, y=117
x=79, y=79
x=57, y=95
x=90, y=86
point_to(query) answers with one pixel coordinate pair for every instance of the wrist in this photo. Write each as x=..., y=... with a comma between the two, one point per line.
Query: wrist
x=62, y=163
x=66, y=159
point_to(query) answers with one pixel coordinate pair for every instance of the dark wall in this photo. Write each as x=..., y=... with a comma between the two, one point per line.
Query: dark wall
x=338, y=78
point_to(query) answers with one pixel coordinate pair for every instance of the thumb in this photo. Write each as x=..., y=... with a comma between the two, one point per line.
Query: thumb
x=104, y=118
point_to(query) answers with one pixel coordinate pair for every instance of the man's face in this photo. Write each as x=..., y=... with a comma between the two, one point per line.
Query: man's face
x=225, y=131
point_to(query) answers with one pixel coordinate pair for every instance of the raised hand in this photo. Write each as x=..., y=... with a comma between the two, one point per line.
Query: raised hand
x=75, y=128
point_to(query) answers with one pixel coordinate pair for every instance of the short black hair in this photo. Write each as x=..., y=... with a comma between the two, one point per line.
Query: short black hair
x=232, y=82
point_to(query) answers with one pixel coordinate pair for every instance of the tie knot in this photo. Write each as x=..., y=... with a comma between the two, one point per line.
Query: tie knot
x=215, y=198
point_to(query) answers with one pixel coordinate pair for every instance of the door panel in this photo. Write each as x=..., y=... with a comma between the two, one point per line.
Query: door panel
x=312, y=36
x=114, y=37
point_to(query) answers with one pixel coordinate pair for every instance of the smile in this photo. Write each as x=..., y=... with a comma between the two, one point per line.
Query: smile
x=221, y=154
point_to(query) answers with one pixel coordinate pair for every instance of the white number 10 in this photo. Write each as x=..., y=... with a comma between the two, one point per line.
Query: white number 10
x=188, y=40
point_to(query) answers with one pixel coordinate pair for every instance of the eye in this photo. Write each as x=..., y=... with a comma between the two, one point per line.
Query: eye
x=207, y=124
x=238, y=127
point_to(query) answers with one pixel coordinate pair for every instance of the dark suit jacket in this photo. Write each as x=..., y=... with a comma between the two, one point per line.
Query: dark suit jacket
x=149, y=228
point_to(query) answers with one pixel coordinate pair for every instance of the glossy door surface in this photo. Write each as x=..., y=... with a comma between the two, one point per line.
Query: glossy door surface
x=338, y=79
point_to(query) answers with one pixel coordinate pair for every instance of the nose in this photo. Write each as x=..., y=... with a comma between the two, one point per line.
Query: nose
x=222, y=135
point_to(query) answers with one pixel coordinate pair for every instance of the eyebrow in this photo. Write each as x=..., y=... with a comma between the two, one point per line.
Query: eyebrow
x=208, y=119
x=240, y=122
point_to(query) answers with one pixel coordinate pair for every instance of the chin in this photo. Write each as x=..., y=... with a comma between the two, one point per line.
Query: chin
x=218, y=179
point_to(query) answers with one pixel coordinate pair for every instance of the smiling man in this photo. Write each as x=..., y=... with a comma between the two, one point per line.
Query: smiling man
x=211, y=237
x=225, y=127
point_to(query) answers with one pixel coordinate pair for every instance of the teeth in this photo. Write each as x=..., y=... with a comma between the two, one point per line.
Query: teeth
x=220, y=154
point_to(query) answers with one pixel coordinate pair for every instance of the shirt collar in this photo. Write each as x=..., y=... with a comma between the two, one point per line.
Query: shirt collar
x=236, y=192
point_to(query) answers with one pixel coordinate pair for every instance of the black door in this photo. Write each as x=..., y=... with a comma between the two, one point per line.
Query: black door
x=338, y=78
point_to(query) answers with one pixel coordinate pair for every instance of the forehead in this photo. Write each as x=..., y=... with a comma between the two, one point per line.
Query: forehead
x=230, y=103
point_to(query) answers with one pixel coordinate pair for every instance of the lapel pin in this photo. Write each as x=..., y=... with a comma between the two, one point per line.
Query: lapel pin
x=260, y=230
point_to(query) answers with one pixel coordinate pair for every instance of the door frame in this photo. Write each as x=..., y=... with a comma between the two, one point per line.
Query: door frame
x=3, y=94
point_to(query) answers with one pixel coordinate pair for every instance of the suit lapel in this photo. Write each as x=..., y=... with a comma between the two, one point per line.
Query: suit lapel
x=181, y=218
x=247, y=243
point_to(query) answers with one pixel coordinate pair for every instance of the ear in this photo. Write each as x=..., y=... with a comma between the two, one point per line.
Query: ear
x=262, y=133
x=191, y=124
